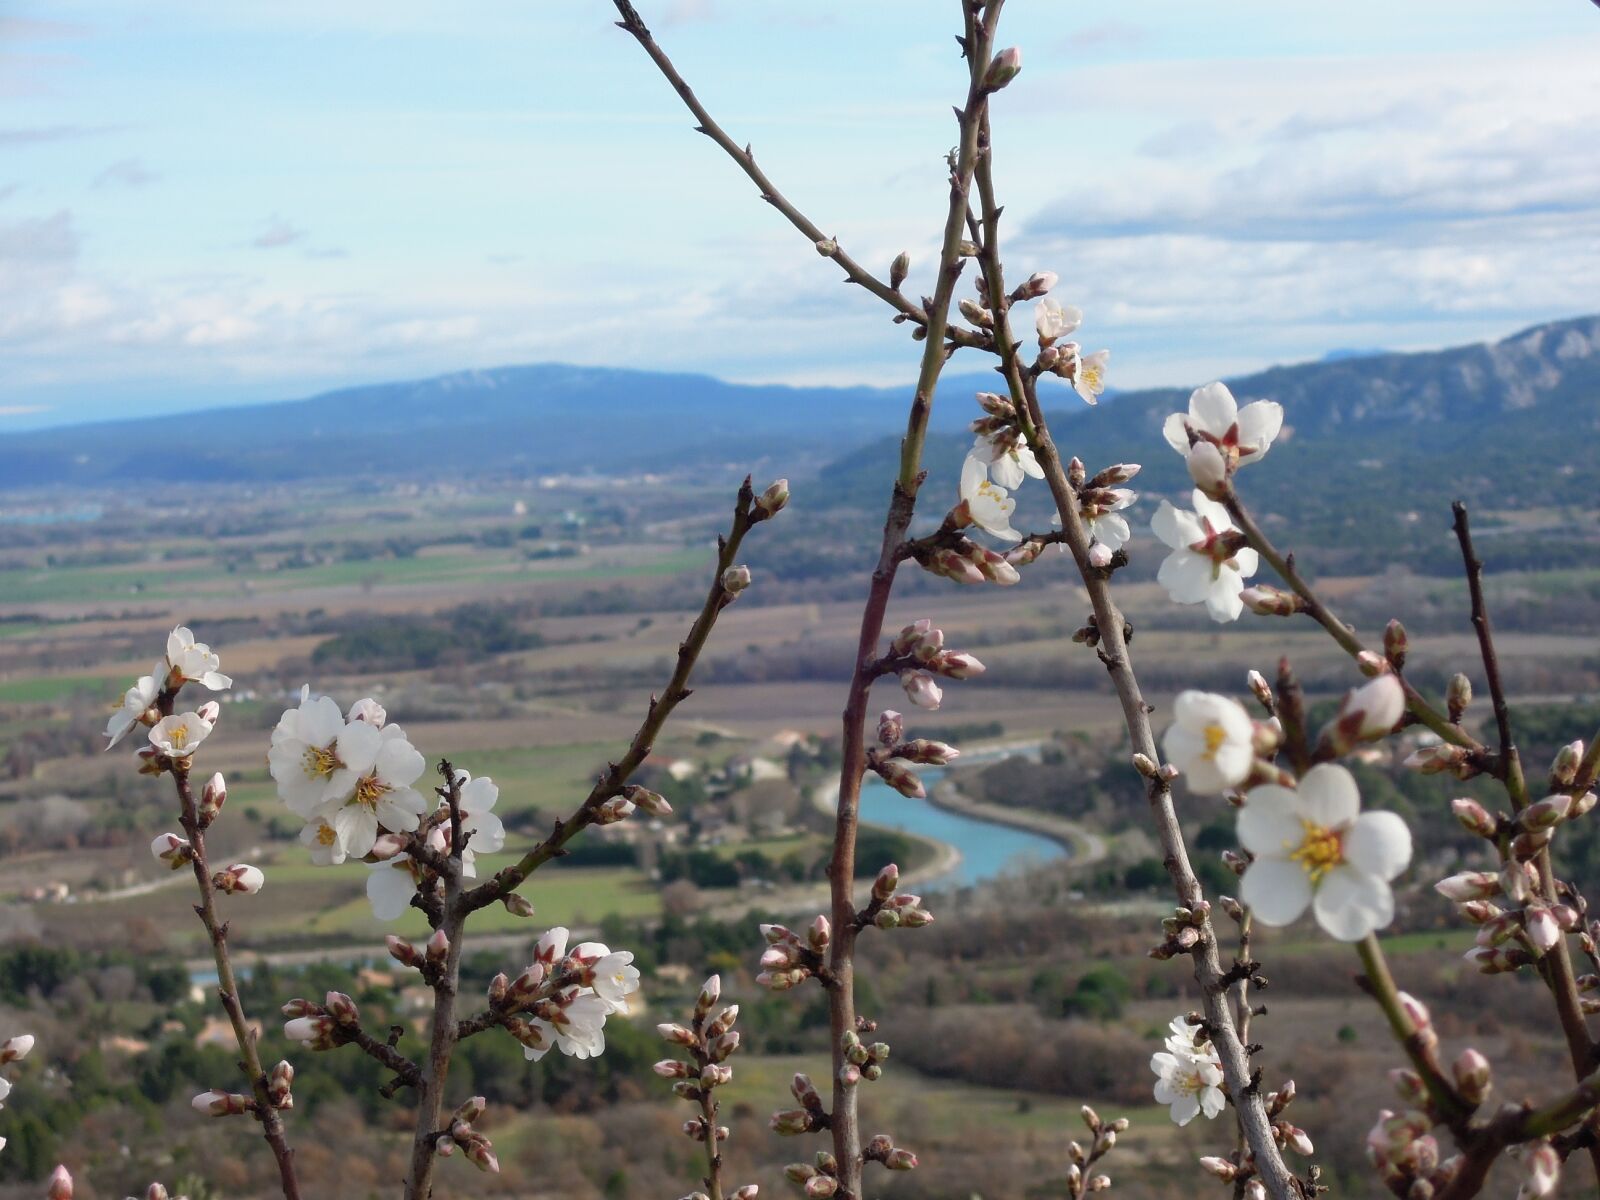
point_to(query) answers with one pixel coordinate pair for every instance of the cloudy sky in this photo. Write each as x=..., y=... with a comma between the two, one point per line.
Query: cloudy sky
x=207, y=203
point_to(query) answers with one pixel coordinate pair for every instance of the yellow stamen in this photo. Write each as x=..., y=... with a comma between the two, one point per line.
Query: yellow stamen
x=179, y=736
x=321, y=761
x=326, y=835
x=370, y=790
x=1320, y=851
x=1215, y=735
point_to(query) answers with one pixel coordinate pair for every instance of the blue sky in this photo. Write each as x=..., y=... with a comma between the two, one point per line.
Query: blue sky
x=208, y=203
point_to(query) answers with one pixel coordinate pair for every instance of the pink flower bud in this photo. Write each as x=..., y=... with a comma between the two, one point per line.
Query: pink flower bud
x=209, y=712
x=1040, y=283
x=789, y=1122
x=241, y=877
x=60, y=1186
x=1471, y=1072
x=1546, y=813
x=15, y=1049
x=1003, y=68
x=957, y=665
x=279, y=1083
x=901, y=1160
x=1469, y=885
x=1474, y=817
x=342, y=1009
x=618, y=808
x=920, y=689
x=402, y=951
x=172, y=850
x=1100, y=556
x=1267, y=601
x=1220, y=1167
x=735, y=579
x=901, y=778
x=820, y=1187
x=438, y=947
x=817, y=936
x=216, y=1103
x=771, y=501
x=369, y=710
x=1208, y=469
x=1544, y=1171
x=651, y=802
x=1564, y=769
x=676, y=1034
x=805, y=1091
x=212, y=797
x=1542, y=928
x=887, y=881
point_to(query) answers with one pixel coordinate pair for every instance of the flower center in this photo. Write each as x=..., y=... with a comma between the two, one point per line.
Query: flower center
x=179, y=736
x=326, y=835
x=370, y=790
x=1215, y=735
x=1320, y=851
x=321, y=761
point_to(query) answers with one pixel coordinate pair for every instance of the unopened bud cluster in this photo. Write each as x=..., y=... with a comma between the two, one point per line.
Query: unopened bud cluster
x=917, y=654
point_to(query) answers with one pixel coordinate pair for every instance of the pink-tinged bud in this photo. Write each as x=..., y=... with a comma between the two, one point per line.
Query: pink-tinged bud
x=997, y=568
x=1543, y=1165
x=849, y=1075
x=1471, y=1072
x=819, y=933
x=723, y=1021
x=958, y=665
x=1495, y=961
x=15, y=1049
x=710, y=993
x=780, y=956
x=887, y=881
x=676, y=1034
x=1432, y=760
x=1208, y=469
x=241, y=877
x=1253, y=1190
x=438, y=947
x=1416, y=1012
x=1003, y=68
x=444, y=1146
x=1457, y=697
x=901, y=778
x=151, y=761
x=1499, y=928
x=618, y=808
x=388, y=845
x=976, y=313
x=777, y=933
x=1267, y=601
x=172, y=850
x=955, y=566
x=300, y=1008
x=651, y=802
x=341, y=1008
x=481, y=1155
x=1298, y=1140
x=805, y=1091
x=1542, y=928
x=1582, y=805
x=1040, y=283
x=714, y=1075
x=930, y=753
x=748, y=1192
x=1479, y=912
x=1025, y=554
x=671, y=1068
x=209, y=712
x=1220, y=1167
x=926, y=645
x=1260, y=689
x=901, y=1160
x=214, y=1103
x=1380, y=705
x=1546, y=813
x=724, y=1046
x=155, y=1192
x=920, y=689
x=1564, y=769
x=1100, y=556
x=212, y=797
x=316, y=1033
x=472, y=1109
x=1474, y=817
x=1469, y=885
x=820, y=1187
x=60, y=1186
x=1395, y=644
x=1514, y=880
x=402, y=951
x=1409, y=1085
x=772, y=501
x=368, y=710
x=735, y=579
x=790, y=1122
x=279, y=1083
x=891, y=727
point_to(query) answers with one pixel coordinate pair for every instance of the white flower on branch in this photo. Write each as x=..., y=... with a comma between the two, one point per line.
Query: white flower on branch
x=322, y=839
x=1208, y=564
x=986, y=505
x=1102, y=511
x=179, y=735
x=390, y=886
x=304, y=756
x=487, y=832
x=1314, y=846
x=1053, y=320
x=1239, y=435
x=136, y=702
x=379, y=768
x=1211, y=740
x=1006, y=457
x=1188, y=1077
x=189, y=661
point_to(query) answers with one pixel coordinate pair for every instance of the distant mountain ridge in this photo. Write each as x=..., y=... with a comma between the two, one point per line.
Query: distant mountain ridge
x=544, y=418
x=1485, y=412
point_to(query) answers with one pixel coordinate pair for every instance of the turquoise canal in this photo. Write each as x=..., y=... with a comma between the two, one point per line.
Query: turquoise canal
x=987, y=850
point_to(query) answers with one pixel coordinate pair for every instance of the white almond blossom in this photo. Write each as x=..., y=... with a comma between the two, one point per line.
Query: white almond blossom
x=488, y=832
x=1204, y=567
x=1089, y=373
x=1052, y=320
x=1242, y=435
x=323, y=841
x=1210, y=741
x=304, y=756
x=1314, y=846
x=1006, y=457
x=135, y=703
x=390, y=886
x=1106, y=523
x=179, y=735
x=1188, y=1077
x=189, y=661
x=987, y=503
x=381, y=766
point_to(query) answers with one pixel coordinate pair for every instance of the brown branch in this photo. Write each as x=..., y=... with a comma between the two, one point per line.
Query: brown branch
x=227, y=986
x=617, y=774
